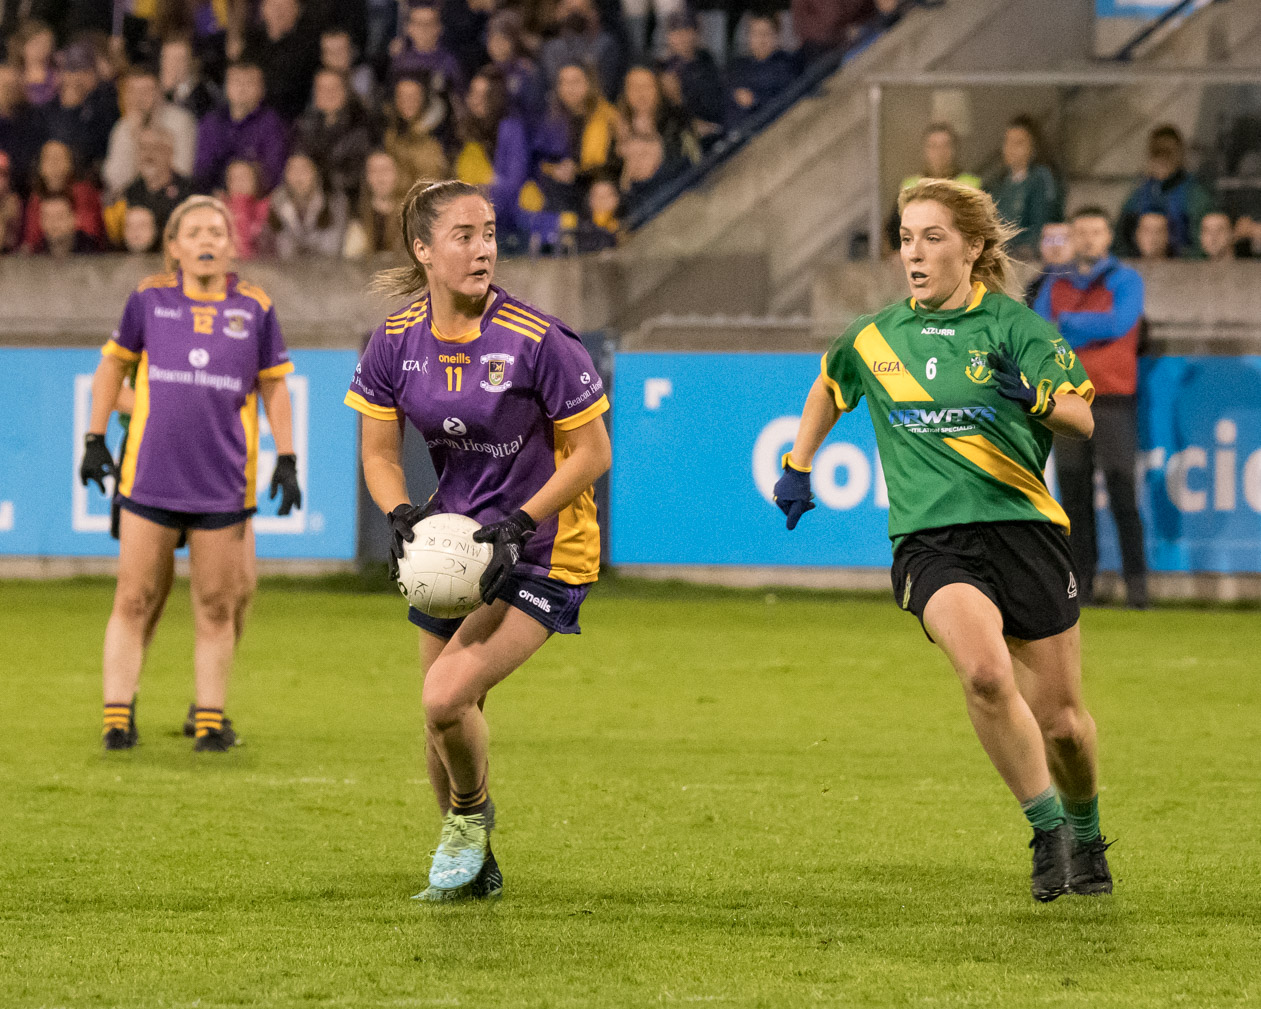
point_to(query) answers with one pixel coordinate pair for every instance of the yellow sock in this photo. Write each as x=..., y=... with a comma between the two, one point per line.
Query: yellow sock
x=117, y=716
x=208, y=720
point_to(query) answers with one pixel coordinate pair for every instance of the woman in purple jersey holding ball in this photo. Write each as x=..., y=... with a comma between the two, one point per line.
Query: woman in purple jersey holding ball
x=206, y=348
x=509, y=405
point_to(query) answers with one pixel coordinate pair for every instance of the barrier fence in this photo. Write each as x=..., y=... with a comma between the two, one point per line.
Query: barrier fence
x=697, y=442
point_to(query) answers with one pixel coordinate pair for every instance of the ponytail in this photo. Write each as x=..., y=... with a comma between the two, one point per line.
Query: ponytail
x=422, y=206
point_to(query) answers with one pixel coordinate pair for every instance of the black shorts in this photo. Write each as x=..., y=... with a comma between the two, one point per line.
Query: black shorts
x=554, y=604
x=1025, y=568
x=184, y=521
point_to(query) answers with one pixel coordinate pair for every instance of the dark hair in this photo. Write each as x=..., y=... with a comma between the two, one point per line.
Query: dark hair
x=484, y=130
x=56, y=198
x=1165, y=131
x=140, y=70
x=1090, y=210
x=243, y=65
x=422, y=206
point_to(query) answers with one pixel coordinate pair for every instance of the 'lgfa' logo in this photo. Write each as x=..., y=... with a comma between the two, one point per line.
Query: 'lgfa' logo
x=886, y=367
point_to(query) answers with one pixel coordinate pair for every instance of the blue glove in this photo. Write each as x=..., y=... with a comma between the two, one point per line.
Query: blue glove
x=1014, y=386
x=792, y=492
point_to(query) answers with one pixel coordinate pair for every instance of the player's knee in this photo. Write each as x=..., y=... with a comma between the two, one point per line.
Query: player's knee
x=988, y=679
x=138, y=603
x=1067, y=728
x=217, y=605
x=444, y=702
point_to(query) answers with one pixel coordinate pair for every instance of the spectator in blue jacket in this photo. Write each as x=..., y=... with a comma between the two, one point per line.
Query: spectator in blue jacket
x=1168, y=189
x=1098, y=309
x=241, y=128
x=755, y=79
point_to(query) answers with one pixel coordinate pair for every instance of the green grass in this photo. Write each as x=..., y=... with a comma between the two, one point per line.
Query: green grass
x=710, y=797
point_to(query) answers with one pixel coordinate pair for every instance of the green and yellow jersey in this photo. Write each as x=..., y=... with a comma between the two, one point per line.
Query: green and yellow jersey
x=953, y=450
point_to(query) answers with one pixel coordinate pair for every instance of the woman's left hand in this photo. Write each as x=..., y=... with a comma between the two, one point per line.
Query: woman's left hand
x=506, y=537
x=284, y=481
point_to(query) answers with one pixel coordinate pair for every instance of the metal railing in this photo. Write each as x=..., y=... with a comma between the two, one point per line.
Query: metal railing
x=1066, y=80
x=1149, y=30
x=734, y=139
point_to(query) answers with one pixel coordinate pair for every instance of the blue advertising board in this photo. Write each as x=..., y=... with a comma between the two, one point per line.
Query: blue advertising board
x=1132, y=8
x=697, y=441
x=45, y=511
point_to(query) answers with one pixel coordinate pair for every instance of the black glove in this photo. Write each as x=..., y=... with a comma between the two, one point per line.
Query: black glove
x=284, y=480
x=401, y=520
x=1014, y=386
x=507, y=537
x=792, y=492
x=97, y=462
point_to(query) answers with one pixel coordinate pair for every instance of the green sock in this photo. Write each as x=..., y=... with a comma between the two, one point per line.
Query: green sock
x=1043, y=810
x=1083, y=817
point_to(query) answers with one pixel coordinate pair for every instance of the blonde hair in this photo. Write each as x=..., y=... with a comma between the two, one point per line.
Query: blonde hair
x=422, y=206
x=183, y=210
x=975, y=216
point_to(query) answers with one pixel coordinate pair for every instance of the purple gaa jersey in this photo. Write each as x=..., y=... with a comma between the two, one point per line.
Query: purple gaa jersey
x=192, y=445
x=489, y=405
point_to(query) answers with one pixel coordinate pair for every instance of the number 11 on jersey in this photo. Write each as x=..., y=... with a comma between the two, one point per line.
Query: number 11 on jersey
x=454, y=377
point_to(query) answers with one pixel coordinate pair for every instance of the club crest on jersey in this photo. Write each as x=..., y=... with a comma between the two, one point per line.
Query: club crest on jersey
x=236, y=320
x=496, y=379
x=1064, y=355
x=978, y=368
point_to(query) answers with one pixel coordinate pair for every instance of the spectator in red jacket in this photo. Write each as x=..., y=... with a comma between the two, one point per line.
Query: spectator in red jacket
x=56, y=177
x=1098, y=309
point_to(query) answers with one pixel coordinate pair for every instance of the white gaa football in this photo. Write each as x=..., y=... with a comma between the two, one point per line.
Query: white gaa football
x=441, y=569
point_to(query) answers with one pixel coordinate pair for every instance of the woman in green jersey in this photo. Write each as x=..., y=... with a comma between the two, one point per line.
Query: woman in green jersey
x=965, y=386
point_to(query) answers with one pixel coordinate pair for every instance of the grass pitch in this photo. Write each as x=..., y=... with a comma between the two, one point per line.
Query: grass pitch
x=709, y=797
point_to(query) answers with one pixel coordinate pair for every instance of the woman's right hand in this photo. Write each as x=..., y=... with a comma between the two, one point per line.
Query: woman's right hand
x=792, y=492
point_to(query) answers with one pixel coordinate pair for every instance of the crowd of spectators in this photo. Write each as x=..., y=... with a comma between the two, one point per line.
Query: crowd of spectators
x=311, y=119
x=1169, y=214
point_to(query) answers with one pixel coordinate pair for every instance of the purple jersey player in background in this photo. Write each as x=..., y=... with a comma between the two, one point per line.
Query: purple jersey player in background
x=509, y=404
x=206, y=348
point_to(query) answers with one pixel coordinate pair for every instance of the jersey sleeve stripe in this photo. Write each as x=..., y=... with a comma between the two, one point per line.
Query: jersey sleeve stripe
x=583, y=416
x=158, y=280
x=114, y=349
x=517, y=329
x=831, y=383
x=276, y=370
x=1086, y=390
x=516, y=315
x=983, y=453
x=526, y=313
x=257, y=293
x=357, y=402
x=394, y=328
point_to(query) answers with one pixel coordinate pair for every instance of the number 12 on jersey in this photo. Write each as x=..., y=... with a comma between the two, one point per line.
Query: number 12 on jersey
x=454, y=378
